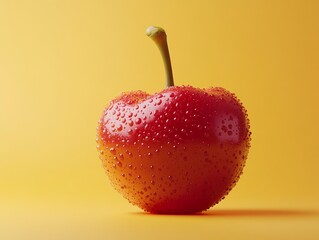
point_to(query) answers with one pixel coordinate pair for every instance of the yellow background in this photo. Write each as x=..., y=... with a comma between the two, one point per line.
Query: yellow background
x=62, y=61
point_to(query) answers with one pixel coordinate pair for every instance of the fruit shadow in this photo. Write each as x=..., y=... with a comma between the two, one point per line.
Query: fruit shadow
x=244, y=213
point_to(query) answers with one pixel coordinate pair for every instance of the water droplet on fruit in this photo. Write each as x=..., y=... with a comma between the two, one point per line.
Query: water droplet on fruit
x=119, y=128
x=138, y=121
x=224, y=128
x=113, y=151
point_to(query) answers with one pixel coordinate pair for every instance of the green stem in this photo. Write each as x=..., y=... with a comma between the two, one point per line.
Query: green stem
x=159, y=36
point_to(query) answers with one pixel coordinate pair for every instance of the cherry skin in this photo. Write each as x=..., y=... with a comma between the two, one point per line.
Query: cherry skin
x=178, y=151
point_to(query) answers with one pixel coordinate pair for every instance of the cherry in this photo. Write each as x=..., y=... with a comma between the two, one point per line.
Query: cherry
x=177, y=151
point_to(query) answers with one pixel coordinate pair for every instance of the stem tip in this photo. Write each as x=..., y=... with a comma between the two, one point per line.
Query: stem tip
x=158, y=35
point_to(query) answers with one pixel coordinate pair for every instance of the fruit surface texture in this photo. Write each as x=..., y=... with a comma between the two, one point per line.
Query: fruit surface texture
x=179, y=151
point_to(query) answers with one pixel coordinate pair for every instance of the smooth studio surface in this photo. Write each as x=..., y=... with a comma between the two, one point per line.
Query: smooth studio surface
x=62, y=61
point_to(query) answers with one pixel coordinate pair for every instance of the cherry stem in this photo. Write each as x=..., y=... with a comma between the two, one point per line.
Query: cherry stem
x=159, y=36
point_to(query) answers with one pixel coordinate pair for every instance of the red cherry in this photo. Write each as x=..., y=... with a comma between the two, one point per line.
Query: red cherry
x=178, y=151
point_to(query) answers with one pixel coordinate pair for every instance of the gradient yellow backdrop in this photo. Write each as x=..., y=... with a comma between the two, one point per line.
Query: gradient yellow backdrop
x=62, y=61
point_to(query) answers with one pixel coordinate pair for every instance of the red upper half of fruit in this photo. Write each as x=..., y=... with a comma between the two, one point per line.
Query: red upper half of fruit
x=176, y=115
